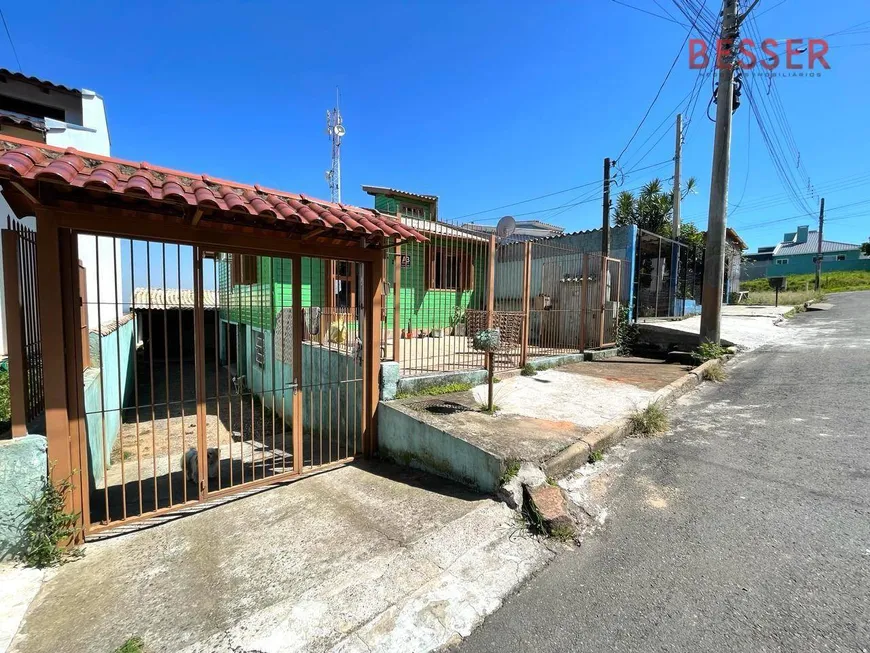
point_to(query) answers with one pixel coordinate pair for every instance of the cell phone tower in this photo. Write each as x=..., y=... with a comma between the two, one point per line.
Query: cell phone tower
x=335, y=130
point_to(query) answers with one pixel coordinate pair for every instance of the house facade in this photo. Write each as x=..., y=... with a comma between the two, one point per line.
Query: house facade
x=797, y=253
x=52, y=114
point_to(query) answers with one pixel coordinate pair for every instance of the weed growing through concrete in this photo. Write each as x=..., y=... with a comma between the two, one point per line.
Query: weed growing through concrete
x=528, y=370
x=443, y=389
x=50, y=530
x=595, y=456
x=627, y=333
x=132, y=645
x=649, y=421
x=485, y=409
x=715, y=373
x=562, y=533
x=511, y=469
x=707, y=351
x=552, y=481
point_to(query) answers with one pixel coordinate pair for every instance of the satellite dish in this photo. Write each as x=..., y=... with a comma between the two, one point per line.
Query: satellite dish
x=339, y=130
x=328, y=175
x=505, y=227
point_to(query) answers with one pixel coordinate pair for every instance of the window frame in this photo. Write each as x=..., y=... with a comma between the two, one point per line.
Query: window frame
x=782, y=261
x=244, y=270
x=331, y=277
x=413, y=211
x=464, y=277
x=841, y=257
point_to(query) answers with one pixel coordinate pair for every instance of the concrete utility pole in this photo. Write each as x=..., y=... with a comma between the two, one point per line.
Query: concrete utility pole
x=678, y=155
x=819, y=248
x=714, y=263
x=605, y=220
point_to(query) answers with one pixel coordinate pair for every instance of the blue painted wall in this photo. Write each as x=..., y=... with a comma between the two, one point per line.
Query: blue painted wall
x=803, y=264
x=108, y=384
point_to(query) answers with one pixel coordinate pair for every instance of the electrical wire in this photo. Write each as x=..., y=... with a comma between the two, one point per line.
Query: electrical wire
x=670, y=20
x=11, y=42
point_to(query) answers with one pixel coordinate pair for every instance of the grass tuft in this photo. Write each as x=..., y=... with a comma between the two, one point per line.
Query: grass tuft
x=595, y=457
x=649, y=421
x=562, y=533
x=511, y=469
x=715, y=373
x=484, y=408
x=443, y=389
x=132, y=645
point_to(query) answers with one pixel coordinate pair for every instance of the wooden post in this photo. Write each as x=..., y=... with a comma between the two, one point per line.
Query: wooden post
x=15, y=334
x=397, y=318
x=527, y=300
x=374, y=273
x=583, y=301
x=296, y=331
x=490, y=284
x=51, y=317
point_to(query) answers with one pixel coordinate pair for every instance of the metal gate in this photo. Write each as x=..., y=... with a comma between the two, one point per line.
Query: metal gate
x=210, y=372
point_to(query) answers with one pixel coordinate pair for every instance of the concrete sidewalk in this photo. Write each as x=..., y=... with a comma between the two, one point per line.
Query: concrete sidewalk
x=747, y=326
x=368, y=557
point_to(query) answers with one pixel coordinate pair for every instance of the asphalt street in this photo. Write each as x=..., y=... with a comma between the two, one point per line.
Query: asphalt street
x=744, y=528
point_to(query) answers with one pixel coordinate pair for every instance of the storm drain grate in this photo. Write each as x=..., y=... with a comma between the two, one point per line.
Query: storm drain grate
x=442, y=407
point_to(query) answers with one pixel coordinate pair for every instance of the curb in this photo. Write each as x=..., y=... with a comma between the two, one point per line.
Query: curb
x=614, y=431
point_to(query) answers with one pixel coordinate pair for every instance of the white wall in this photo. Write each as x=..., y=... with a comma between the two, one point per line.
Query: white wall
x=91, y=136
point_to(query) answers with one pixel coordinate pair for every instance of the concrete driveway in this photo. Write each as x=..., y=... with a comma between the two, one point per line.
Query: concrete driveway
x=368, y=557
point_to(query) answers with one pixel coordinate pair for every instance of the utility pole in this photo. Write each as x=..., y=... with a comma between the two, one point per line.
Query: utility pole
x=678, y=154
x=677, y=198
x=819, y=248
x=605, y=220
x=714, y=263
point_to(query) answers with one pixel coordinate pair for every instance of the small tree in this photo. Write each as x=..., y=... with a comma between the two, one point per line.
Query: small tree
x=651, y=210
x=865, y=249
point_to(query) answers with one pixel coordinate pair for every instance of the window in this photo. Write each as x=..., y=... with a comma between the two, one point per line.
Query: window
x=410, y=211
x=243, y=270
x=841, y=257
x=449, y=270
x=816, y=259
x=782, y=261
x=32, y=109
x=341, y=285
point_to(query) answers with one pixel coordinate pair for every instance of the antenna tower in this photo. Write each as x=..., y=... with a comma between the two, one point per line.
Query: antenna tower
x=335, y=131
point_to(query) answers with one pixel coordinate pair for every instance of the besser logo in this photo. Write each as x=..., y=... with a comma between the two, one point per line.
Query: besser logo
x=815, y=51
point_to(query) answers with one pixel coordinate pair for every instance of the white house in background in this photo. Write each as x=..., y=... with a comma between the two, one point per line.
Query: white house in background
x=44, y=112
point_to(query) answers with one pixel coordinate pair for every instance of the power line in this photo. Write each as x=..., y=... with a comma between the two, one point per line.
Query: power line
x=661, y=87
x=11, y=42
x=781, y=2
x=670, y=20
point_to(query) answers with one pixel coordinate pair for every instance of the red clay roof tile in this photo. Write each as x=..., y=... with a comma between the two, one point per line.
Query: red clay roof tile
x=26, y=160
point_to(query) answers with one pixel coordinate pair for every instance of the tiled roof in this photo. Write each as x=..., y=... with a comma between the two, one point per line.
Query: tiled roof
x=812, y=246
x=19, y=119
x=21, y=159
x=441, y=229
x=35, y=80
x=170, y=298
x=372, y=190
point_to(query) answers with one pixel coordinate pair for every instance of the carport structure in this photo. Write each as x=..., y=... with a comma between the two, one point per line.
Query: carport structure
x=215, y=227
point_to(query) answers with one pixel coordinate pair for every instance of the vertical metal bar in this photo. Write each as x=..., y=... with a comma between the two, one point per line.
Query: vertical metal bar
x=262, y=297
x=659, y=269
x=15, y=334
x=136, y=372
x=296, y=309
x=201, y=452
x=199, y=366
x=490, y=283
x=603, y=299
x=151, y=376
x=275, y=290
x=217, y=368
x=120, y=386
x=526, y=299
x=78, y=450
x=584, y=288
x=166, y=378
x=108, y=517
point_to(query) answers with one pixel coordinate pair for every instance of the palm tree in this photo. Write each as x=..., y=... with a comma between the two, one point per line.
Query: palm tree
x=652, y=209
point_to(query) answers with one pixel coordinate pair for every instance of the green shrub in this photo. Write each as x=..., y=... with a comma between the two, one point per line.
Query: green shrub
x=528, y=370
x=49, y=530
x=5, y=410
x=707, y=351
x=627, y=333
x=511, y=469
x=649, y=421
x=443, y=389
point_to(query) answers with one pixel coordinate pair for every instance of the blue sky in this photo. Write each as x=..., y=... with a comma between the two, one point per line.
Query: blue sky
x=481, y=103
